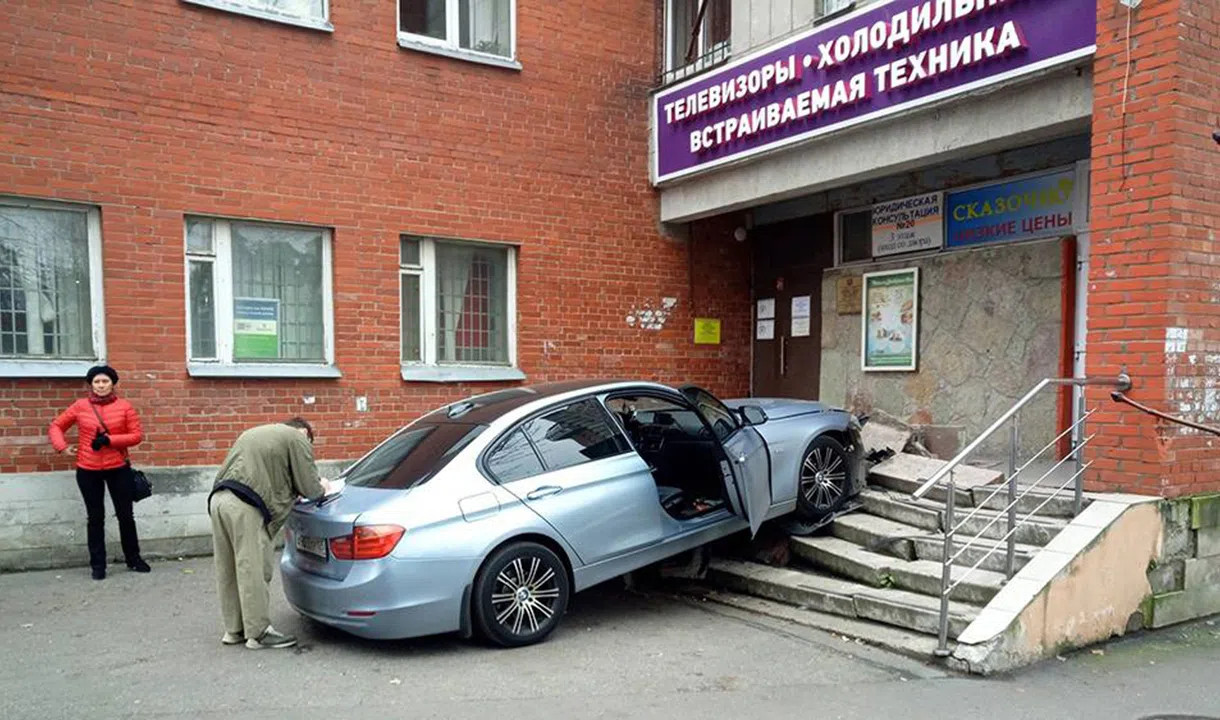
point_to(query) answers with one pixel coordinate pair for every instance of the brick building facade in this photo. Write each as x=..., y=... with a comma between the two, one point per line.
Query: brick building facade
x=1154, y=278
x=152, y=114
x=326, y=164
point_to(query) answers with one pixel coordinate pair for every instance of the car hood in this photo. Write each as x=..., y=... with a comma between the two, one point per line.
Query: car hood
x=780, y=408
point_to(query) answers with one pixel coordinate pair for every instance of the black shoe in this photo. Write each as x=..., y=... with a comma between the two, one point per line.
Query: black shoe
x=138, y=565
x=99, y=573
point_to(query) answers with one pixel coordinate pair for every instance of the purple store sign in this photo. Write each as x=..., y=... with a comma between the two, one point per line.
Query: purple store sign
x=885, y=58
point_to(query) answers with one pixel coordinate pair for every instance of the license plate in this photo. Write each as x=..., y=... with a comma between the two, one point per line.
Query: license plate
x=311, y=545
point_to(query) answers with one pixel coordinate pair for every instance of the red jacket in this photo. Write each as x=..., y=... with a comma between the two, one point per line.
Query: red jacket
x=121, y=419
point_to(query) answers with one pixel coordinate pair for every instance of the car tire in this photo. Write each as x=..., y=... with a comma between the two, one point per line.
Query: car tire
x=823, y=480
x=520, y=594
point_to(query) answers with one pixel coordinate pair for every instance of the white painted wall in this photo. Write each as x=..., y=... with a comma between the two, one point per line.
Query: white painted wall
x=42, y=517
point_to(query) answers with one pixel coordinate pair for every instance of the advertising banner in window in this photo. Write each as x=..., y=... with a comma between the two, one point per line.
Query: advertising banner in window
x=885, y=58
x=256, y=332
x=908, y=225
x=1026, y=209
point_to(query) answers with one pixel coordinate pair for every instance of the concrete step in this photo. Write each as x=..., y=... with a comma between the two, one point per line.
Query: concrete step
x=905, y=486
x=917, y=469
x=922, y=576
x=878, y=534
x=903, y=511
x=840, y=597
x=933, y=548
x=927, y=514
x=919, y=646
x=1061, y=506
x=1038, y=530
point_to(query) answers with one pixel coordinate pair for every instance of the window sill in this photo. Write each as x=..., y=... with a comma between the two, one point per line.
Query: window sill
x=323, y=25
x=407, y=43
x=46, y=368
x=262, y=370
x=459, y=373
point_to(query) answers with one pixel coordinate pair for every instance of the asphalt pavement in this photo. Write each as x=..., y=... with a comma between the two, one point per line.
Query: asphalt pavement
x=148, y=646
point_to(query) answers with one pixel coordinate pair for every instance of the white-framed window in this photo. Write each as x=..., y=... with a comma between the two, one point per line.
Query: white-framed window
x=459, y=309
x=479, y=30
x=52, y=320
x=827, y=9
x=854, y=235
x=313, y=14
x=259, y=299
x=693, y=43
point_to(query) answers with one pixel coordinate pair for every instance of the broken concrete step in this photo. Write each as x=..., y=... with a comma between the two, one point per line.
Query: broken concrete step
x=933, y=548
x=916, y=468
x=906, y=487
x=905, y=512
x=878, y=534
x=809, y=590
x=922, y=576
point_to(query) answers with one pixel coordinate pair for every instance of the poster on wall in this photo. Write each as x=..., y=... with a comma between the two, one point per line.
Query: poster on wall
x=908, y=225
x=890, y=325
x=765, y=330
x=256, y=333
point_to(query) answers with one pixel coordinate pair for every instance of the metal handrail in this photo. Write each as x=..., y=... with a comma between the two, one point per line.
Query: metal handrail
x=1122, y=382
x=951, y=526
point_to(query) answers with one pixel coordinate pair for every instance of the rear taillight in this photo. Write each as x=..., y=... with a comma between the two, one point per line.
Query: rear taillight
x=367, y=542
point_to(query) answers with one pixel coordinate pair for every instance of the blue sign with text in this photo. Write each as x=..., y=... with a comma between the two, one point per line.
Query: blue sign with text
x=1027, y=209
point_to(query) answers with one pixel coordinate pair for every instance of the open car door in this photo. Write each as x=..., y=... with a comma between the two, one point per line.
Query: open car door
x=747, y=452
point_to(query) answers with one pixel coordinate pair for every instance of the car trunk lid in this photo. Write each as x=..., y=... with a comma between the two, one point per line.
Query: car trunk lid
x=311, y=525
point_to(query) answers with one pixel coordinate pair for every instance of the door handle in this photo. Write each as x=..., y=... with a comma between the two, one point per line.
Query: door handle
x=544, y=491
x=741, y=459
x=783, y=356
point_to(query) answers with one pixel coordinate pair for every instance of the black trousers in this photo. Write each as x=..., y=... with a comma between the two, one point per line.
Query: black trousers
x=92, y=484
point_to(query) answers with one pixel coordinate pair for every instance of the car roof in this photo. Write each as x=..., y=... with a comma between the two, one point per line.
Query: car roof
x=486, y=408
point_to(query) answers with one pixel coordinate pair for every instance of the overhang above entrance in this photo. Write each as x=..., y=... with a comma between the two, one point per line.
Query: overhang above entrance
x=1049, y=106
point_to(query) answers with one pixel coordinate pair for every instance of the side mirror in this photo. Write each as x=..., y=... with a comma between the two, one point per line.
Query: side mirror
x=753, y=415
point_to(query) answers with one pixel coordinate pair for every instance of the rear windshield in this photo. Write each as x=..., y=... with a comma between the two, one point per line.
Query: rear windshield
x=412, y=456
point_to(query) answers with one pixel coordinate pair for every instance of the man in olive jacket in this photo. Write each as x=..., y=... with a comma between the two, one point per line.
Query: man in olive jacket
x=267, y=469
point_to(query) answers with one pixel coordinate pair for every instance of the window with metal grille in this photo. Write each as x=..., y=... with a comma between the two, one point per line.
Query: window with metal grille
x=49, y=285
x=258, y=293
x=697, y=36
x=457, y=302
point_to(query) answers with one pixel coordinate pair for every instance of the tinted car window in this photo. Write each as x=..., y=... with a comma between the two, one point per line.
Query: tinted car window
x=412, y=456
x=575, y=434
x=514, y=459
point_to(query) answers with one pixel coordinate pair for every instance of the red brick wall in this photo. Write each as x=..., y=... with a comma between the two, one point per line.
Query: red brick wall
x=154, y=110
x=1155, y=265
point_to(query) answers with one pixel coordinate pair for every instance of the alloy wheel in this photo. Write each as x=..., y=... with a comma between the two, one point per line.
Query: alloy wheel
x=823, y=477
x=525, y=595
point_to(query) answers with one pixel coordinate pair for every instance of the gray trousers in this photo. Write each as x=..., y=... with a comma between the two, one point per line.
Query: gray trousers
x=244, y=556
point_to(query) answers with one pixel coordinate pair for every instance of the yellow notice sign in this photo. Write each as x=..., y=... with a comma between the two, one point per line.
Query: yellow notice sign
x=707, y=331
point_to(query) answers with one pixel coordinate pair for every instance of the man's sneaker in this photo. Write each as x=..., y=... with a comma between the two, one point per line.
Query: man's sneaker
x=271, y=639
x=233, y=638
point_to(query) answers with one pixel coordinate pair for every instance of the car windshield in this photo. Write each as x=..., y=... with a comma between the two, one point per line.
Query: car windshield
x=412, y=455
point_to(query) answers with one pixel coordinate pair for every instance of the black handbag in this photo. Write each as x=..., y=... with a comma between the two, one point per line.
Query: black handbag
x=139, y=486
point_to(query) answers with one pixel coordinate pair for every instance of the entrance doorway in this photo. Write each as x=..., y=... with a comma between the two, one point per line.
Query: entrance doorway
x=789, y=259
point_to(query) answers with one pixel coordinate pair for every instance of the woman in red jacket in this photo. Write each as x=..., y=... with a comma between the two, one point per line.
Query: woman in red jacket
x=107, y=426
